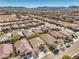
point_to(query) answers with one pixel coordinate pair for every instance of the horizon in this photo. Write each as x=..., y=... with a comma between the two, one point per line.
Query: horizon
x=37, y=7
x=40, y=3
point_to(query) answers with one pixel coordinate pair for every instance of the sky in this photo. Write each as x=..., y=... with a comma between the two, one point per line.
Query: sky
x=39, y=3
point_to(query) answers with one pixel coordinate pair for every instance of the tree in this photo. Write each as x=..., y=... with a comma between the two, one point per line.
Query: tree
x=15, y=37
x=65, y=40
x=53, y=46
x=18, y=16
x=2, y=33
x=33, y=35
x=66, y=57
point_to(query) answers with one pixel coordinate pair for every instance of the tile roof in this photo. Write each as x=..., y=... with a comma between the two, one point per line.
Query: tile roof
x=36, y=43
x=47, y=38
x=5, y=50
x=22, y=45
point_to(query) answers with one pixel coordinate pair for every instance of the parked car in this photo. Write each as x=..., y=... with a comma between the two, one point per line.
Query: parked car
x=67, y=45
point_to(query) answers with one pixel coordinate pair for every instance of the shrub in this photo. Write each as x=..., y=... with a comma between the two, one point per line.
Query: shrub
x=53, y=46
x=66, y=57
x=18, y=16
x=1, y=33
x=66, y=40
x=33, y=35
x=15, y=37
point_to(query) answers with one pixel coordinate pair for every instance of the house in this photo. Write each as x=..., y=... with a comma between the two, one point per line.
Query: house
x=51, y=26
x=44, y=28
x=69, y=31
x=29, y=24
x=22, y=25
x=5, y=51
x=69, y=35
x=39, y=47
x=34, y=23
x=57, y=34
x=14, y=26
x=6, y=28
x=27, y=33
x=6, y=23
x=48, y=39
x=23, y=49
x=17, y=32
x=6, y=37
x=37, y=30
x=8, y=17
x=65, y=33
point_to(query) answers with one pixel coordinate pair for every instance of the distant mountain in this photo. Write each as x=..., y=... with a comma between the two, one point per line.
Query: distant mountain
x=50, y=7
x=45, y=7
x=73, y=6
x=12, y=7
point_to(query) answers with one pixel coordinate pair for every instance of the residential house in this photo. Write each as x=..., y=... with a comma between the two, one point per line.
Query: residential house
x=57, y=34
x=65, y=33
x=23, y=49
x=6, y=37
x=22, y=25
x=6, y=50
x=27, y=33
x=14, y=26
x=48, y=39
x=39, y=47
x=69, y=35
x=4, y=28
x=37, y=30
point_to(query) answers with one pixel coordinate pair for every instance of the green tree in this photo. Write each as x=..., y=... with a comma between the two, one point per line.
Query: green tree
x=66, y=57
x=53, y=46
x=18, y=16
x=2, y=33
x=65, y=40
x=33, y=35
x=15, y=37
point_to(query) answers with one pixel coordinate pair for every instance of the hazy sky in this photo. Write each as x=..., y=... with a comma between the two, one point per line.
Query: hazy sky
x=37, y=3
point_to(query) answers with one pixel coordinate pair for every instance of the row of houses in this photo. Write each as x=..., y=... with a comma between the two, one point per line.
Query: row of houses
x=6, y=50
x=58, y=22
x=19, y=25
x=38, y=44
x=5, y=18
x=35, y=46
x=43, y=28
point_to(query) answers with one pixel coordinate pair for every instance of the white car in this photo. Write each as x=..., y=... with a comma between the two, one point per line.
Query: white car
x=67, y=45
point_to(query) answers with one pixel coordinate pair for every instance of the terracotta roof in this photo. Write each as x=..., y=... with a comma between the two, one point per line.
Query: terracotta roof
x=27, y=32
x=7, y=17
x=36, y=43
x=57, y=34
x=47, y=38
x=65, y=32
x=5, y=50
x=22, y=45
